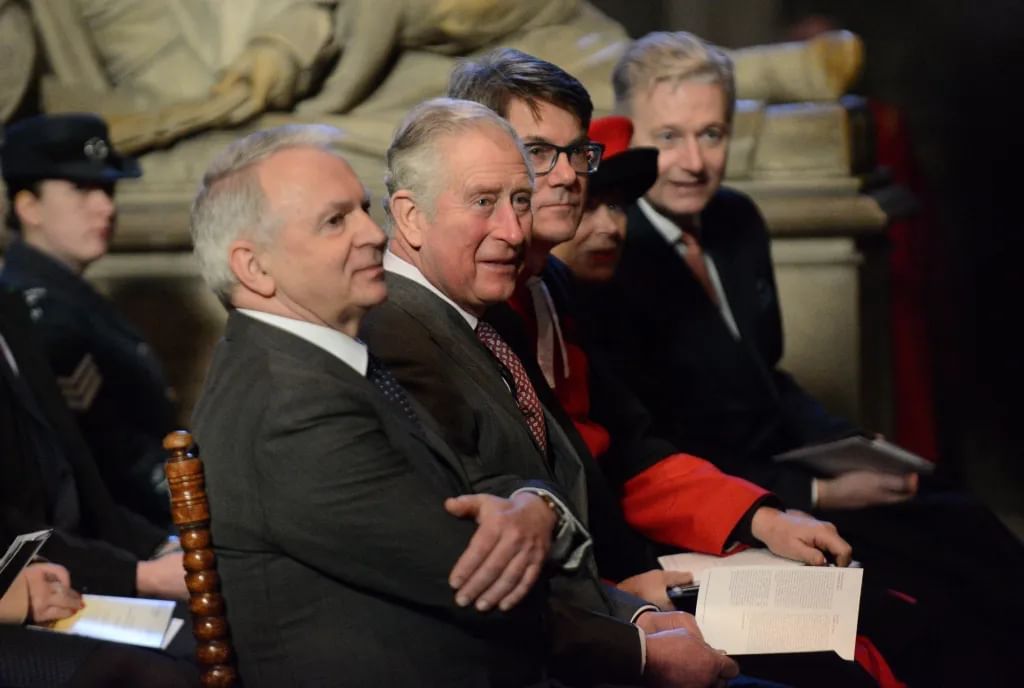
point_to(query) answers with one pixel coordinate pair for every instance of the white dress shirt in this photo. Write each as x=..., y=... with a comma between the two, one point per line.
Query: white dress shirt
x=393, y=263
x=350, y=351
x=674, y=236
x=549, y=328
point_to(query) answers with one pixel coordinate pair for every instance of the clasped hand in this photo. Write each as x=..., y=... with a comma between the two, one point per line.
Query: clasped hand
x=677, y=655
x=506, y=554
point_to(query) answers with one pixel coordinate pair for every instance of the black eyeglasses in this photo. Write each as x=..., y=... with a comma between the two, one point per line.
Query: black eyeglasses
x=583, y=157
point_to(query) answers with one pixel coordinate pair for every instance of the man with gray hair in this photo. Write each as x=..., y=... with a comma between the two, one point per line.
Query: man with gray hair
x=459, y=233
x=337, y=507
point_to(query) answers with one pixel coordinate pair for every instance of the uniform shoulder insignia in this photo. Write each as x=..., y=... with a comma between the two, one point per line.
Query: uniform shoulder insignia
x=80, y=388
x=33, y=299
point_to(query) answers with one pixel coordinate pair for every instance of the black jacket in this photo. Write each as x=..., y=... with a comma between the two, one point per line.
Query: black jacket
x=101, y=550
x=709, y=394
x=109, y=376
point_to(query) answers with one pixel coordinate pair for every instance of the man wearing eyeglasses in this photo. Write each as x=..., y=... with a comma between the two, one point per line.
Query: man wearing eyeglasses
x=459, y=218
x=550, y=110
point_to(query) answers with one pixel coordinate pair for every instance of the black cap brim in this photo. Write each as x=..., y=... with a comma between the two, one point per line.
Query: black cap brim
x=627, y=175
x=111, y=170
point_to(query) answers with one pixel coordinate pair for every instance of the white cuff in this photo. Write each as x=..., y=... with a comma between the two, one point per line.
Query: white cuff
x=643, y=650
x=643, y=636
x=642, y=610
x=564, y=546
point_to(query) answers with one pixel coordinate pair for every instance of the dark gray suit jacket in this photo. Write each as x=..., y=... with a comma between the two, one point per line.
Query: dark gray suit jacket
x=436, y=356
x=328, y=521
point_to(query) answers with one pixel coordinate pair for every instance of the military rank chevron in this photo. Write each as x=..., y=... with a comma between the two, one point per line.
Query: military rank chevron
x=80, y=388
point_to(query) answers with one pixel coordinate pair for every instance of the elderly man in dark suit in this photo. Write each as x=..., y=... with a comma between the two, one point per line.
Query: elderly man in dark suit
x=335, y=502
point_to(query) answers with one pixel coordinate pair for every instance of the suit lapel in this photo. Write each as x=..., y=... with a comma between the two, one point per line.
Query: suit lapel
x=674, y=283
x=649, y=259
x=736, y=283
x=452, y=334
x=743, y=288
x=249, y=331
x=33, y=369
x=566, y=459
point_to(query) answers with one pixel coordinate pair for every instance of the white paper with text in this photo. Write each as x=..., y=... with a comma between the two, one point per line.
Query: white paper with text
x=697, y=563
x=771, y=609
x=132, y=620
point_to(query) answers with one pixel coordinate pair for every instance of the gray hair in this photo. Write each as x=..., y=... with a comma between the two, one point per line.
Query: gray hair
x=231, y=203
x=414, y=154
x=676, y=56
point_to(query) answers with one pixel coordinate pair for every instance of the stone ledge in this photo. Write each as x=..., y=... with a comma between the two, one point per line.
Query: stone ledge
x=155, y=218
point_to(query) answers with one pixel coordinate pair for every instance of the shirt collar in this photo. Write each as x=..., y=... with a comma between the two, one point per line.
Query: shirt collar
x=350, y=351
x=393, y=263
x=24, y=259
x=665, y=226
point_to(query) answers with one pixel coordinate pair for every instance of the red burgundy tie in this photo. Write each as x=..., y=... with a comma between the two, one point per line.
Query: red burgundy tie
x=694, y=258
x=526, y=395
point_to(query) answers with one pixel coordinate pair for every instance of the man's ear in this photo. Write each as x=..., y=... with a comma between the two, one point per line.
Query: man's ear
x=248, y=263
x=408, y=218
x=26, y=207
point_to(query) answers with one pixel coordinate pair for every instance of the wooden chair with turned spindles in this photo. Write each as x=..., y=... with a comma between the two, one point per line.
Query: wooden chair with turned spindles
x=191, y=513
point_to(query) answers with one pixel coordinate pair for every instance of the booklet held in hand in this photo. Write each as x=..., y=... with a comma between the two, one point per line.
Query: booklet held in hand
x=857, y=453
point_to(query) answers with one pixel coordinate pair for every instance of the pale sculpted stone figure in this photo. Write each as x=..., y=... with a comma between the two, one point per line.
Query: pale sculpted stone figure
x=17, y=52
x=169, y=75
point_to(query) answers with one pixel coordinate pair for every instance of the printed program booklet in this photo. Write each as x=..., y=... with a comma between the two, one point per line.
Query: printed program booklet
x=858, y=453
x=18, y=555
x=775, y=609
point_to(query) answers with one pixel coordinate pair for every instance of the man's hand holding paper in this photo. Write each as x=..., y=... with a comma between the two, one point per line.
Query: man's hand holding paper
x=859, y=489
x=653, y=585
x=795, y=535
x=50, y=594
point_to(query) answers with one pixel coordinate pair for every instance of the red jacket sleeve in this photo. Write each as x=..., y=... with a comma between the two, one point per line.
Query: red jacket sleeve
x=685, y=501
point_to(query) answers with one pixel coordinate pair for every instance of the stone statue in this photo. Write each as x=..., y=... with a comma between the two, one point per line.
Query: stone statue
x=177, y=79
x=17, y=53
x=180, y=79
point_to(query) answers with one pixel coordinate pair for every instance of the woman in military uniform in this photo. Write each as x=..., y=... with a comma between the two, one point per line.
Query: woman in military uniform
x=60, y=172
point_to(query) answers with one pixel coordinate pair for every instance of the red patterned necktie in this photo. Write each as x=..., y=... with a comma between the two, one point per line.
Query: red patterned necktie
x=526, y=395
x=694, y=258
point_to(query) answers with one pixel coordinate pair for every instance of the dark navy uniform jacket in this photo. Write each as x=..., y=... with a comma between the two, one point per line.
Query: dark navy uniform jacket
x=50, y=480
x=108, y=375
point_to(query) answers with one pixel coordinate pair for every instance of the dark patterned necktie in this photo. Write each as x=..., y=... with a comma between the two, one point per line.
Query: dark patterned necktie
x=526, y=395
x=382, y=378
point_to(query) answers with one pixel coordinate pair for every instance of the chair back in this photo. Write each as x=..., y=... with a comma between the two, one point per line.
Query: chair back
x=191, y=513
